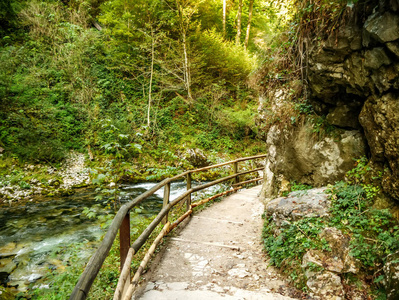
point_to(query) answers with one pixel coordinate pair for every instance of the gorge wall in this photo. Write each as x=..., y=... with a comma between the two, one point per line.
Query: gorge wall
x=353, y=80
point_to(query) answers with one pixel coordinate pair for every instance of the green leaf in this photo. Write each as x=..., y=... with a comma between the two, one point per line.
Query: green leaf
x=379, y=278
x=98, y=197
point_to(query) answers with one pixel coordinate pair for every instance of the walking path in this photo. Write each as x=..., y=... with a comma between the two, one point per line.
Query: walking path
x=218, y=255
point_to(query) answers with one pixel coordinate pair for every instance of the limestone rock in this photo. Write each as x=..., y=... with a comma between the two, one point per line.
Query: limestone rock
x=375, y=58
x=196, y=158
x=391, y=270
x=378, y=117
x=337, y=260
x=326, y=286
x=323, y=260
x=347, y=39
x=8, y=250
x=7, y=265
x=353, y=80
x=339, y=244
x=353, y=76
x=322, y=268
x=394, y=48
x=297, y=205
x=383, y=27
x=385, y=78
x=299, y=155
x=344, y=116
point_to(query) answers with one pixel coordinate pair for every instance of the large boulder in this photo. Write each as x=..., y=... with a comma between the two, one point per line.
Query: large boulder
x=303, y=156
x=297, y=205
x=196, y=158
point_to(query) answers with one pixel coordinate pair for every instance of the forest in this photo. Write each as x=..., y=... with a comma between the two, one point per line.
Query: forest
x=134, y=88
x=131, y=77
x=102, y=97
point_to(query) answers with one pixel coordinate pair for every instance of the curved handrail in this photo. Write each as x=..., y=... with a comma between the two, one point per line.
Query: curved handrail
x=96, y=261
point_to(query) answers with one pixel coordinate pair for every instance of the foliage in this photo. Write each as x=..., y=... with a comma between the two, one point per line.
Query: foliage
x=159, y=174
x=373, y=232
x=361, y=175
x=294, y=186
x=223, y=58
x=296, y=238
x=62, y=80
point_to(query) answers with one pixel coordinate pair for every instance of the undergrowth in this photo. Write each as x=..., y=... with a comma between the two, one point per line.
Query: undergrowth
x=374, y=233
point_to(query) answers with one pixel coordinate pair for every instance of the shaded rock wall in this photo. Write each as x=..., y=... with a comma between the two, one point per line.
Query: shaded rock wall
x=354, y=81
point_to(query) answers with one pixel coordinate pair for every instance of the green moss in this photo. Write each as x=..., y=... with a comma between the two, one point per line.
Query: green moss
x=6, y=294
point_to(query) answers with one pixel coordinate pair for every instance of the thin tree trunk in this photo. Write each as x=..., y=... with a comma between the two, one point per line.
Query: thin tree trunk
x=186, y=66
x=151, y=76
x=251, y=5
x=187, y=75
x=238, y=36
x=224, y=18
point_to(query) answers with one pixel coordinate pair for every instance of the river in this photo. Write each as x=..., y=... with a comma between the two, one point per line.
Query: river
x=34, y=236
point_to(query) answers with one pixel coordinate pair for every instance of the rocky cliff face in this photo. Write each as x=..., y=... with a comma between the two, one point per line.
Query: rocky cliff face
x=353, y=79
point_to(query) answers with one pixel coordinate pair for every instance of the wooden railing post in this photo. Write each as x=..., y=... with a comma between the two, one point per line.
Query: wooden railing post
x=188, y=201
x=124, y=242
x=166, y=195
x=124, y=238
x=235, y=170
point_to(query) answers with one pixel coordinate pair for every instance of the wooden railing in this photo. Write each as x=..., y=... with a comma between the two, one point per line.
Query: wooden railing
x=121, y=223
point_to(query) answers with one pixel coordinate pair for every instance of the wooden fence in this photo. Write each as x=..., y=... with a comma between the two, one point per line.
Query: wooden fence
x=121, y=223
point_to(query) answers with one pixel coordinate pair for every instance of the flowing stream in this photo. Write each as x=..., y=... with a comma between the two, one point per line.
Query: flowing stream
x=35, y=237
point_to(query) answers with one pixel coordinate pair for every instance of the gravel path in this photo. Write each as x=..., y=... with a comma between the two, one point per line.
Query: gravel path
x=218, y=255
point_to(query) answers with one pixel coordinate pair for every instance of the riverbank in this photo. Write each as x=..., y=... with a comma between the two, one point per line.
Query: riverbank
x=30, y=181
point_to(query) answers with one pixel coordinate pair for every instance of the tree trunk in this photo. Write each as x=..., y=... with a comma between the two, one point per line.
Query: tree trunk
x=187, y=76
x=186, y=63
x=238, y=36
x=224, y=18
x=151, y=76
x=251, y=5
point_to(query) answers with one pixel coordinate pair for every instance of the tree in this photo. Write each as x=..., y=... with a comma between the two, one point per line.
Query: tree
x=251, y=4
x=186, y=10
x=238, y=36
x=224, y=18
